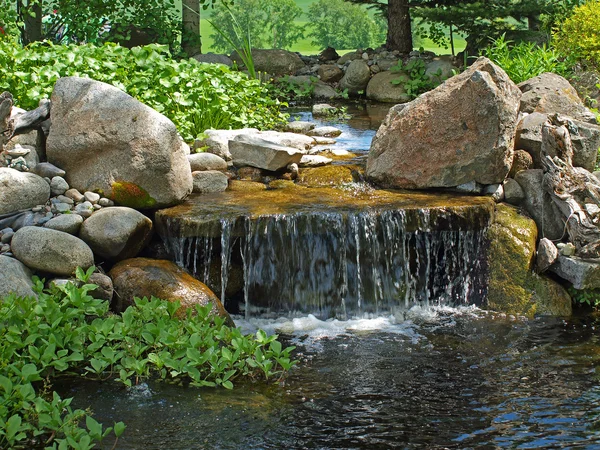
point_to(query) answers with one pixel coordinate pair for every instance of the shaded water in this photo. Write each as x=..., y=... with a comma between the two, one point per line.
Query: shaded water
x=434, y=378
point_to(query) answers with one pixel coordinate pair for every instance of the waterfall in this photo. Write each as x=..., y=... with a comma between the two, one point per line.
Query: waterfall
x=337, y=263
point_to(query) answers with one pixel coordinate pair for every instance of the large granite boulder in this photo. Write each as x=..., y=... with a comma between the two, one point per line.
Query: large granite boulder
x=584, y=136
x=551, y=93
x=249, y=150
x=15, y=278
x=112, y=144
x=144, y=277
x=21, y=190
x=273, y=61
x=462, y=131
x=116, y=233
x=357, y=77
x=381, y=89
x=512, y=286
x=51, y=251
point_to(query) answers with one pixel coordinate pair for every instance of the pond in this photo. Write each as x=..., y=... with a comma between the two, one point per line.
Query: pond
x=434, y=377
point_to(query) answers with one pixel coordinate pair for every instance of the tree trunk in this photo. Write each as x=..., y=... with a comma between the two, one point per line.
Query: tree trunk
x=31, y=13
x=399, y=35
x=190, y=32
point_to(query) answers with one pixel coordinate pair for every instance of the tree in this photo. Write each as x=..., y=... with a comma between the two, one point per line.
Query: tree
x=269, y=23
x=190, y=27
x=340, y=25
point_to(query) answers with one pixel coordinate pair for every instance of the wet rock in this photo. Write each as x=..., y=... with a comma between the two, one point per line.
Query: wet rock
x=325, y=132
x=444, y=138
x=15, y=278
x=245, y=186
x=250, y=174
x=116, y=233
x=551, y=93
x=381, y=89
x=143, y=277
x=299, y=126
x=256, y=152
x=21, y=190
x=547, y=253
x=583, y=274
x=539, y=205
x=206, y=161
x=323, y=109
x=209, y=181
x=512, y=287
x=67, y=223
x=51, y=251
x=326, y=176
x=314, y=161
x=138, y=160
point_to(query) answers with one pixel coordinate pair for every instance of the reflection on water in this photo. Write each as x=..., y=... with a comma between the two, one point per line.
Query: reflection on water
x=433, y=378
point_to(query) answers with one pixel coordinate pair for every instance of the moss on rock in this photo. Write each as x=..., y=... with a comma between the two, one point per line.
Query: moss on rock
x=513, y=288
x=130, y=194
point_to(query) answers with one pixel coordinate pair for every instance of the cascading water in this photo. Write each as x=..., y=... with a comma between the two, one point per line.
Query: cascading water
x=338, y=261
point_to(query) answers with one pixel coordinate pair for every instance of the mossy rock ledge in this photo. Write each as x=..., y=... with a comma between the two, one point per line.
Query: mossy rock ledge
x=513, y=287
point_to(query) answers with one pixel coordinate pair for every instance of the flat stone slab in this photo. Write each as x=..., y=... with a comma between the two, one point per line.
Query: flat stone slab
x=256, y=152
x=582, y=273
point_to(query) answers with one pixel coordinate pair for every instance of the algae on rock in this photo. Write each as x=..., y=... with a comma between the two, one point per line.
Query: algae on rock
x=513, y=287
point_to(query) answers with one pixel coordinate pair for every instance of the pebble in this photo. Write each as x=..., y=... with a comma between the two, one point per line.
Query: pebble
x=97, y=206
x=84, y=209
x=7, y=237
x=17, y=151
x=65, y=199
x=91, y=197
x=75, y=195
x=58, y=185
x=37, y=208
x=62, y=207
x=5, y=248
x=106, y=202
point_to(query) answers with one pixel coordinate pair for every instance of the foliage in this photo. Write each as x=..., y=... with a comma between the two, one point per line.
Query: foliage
x=194, y=96
x=8, y=20
x=579, y=35
x=415, y=82
x=287, y=88
x=525, y=60
x=590, y=297
x=67, y=332
x=266, y=23
x=342, y=25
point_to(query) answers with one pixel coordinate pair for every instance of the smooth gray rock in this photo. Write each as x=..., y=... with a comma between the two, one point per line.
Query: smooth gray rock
x=513, y=193
x=294, y=140
x=217, y=141
x=21, y=190
x=209, y=181
x=91, y=197
x=273, y=61
x=117, y=232
x=206, y=161
x=75, y=195
x=381, y=88
x=539, y=205
x=67, y=223
x=15, y=278
x=356, y=78
x=583, y=274
x=256, y=152
x=51, y=251
x=85, y=209
x=137, y=159
x=58, y=186
x=325, y=132
x=547, y=254
x=444, y=138
x=323, y=109
x=299, y=126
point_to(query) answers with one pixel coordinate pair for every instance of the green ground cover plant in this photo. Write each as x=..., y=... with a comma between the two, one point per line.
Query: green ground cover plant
x=67, y=332
x=194, y=96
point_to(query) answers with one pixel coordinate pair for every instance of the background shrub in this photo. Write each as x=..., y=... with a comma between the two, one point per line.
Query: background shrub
x=579, y=35
x=194, y=96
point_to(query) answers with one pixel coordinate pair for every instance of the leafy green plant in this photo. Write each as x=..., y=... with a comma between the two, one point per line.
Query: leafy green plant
x=590, y=297
x=413, y=77
x=578, y=37
x=525, y=60
x=193, y=95
x=66, y=332
x=287, y=88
